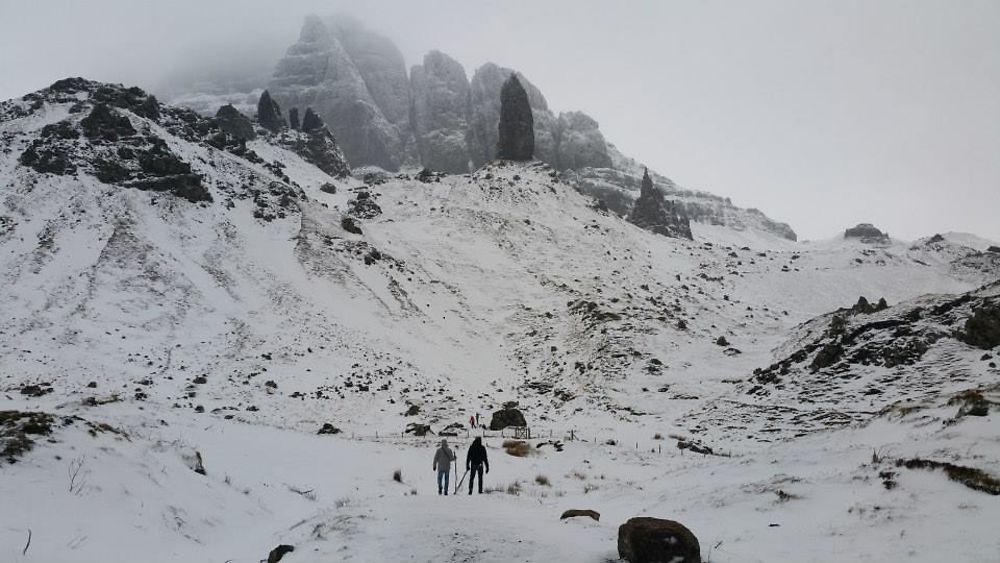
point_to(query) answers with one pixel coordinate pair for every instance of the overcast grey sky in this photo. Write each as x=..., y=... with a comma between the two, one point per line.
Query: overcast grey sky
x=820, y=113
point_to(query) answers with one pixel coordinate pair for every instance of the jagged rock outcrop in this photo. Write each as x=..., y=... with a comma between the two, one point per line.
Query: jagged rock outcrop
x=867, y=233
x=293, y=118
x=311, y=121
x=618, y=188
x=440, y=113
x=653, y=212
x=269, y=113
x=356, y=81
x=114, y=150
x=315, y=143
x=235, y=123
x=516, y=129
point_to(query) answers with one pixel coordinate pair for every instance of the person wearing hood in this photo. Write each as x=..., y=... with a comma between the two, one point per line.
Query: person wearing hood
x=442, y=464
x=475, y=461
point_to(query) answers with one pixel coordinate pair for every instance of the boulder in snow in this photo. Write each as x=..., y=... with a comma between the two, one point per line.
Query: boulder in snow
x=654, y=540
x=573, y=512
x=507, y=416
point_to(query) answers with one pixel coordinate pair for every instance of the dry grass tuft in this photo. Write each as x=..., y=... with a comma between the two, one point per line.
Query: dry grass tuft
x=517, y=448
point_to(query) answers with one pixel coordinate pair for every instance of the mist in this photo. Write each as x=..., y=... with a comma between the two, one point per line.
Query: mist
x=822, y=115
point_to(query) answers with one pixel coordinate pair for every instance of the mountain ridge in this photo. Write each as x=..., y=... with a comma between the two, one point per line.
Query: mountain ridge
x=249, y=369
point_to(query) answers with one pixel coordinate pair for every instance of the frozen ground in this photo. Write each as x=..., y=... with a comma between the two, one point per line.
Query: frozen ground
x=203, y=328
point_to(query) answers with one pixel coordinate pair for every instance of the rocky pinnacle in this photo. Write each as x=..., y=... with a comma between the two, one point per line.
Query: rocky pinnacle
x=517, y=125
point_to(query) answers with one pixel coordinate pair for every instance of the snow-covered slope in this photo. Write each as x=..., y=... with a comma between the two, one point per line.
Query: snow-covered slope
x=167, y=334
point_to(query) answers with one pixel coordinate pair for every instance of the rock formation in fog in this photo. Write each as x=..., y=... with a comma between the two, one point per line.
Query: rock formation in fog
x=311, y=121
x=356, y=81
x=269, y=113
x=440, y=118
x=516, y=129
x=653, y=212
x=440, y=113
x=235, y=123
x=867, y=233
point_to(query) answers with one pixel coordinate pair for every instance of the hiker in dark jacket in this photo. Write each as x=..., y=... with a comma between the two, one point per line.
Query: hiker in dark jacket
x=442, y=464
x=475, y=460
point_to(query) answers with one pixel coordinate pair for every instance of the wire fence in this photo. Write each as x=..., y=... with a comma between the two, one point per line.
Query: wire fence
x=550, y=435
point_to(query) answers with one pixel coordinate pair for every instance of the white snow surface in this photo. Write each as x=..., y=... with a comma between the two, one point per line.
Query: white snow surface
x=205, y=329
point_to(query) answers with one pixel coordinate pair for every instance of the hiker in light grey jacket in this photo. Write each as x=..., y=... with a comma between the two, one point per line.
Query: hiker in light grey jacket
x=442, y=464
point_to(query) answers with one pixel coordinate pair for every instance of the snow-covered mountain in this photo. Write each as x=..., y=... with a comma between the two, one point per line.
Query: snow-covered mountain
x=184, y=310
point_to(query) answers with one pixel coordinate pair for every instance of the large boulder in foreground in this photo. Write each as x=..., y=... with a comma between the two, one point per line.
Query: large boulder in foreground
x=517, y=125
x=654, y=540
x=508, y=416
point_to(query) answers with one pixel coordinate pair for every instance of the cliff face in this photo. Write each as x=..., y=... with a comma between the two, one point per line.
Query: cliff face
x=437, y=117
x=439, y=113
x=356, y=81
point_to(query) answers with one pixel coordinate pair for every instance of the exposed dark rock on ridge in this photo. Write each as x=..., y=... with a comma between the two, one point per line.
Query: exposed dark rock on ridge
x=867, y=233
x=112, y=148
x=316, y=144
x=311, y=121
x=516, y=140
x=235, y=123
x=269, y=113
x=653, y=212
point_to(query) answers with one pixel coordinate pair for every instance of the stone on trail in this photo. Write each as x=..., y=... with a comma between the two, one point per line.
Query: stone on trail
x=655, y=540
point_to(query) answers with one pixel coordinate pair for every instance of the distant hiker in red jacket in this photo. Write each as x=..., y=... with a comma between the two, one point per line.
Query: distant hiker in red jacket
x=474, y=462
x=472, y=422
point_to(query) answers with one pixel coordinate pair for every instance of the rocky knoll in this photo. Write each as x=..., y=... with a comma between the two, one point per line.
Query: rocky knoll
x=235, y=123
x=316, y=144
x=867, y=233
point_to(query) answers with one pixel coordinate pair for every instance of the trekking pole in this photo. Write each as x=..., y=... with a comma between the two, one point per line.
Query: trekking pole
x=459, y=484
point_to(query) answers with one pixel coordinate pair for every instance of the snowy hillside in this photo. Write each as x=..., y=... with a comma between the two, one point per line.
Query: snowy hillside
x=176, y=331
